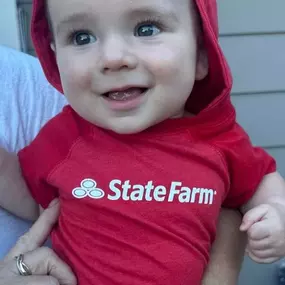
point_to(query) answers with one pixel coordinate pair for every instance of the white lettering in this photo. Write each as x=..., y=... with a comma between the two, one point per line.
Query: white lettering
x=159, y=193
x=194, y=192
x=116, y=190
x=126, y=186
x=149, y=186
x=148, y=192
x=206, y=196
x=137, y=194
x=173, y=190
x=185, y=195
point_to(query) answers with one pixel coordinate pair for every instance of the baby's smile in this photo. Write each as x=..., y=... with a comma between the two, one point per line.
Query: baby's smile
x=125, y=98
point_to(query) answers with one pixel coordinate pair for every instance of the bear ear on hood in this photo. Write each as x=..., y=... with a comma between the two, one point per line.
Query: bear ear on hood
x=213, y=88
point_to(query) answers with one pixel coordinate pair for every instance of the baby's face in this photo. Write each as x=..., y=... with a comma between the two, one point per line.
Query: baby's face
x=126, y=65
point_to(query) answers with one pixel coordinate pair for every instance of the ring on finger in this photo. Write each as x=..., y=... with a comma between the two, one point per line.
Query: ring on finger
x=22, y=267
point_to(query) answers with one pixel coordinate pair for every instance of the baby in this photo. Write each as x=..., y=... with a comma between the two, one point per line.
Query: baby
x=148, y=151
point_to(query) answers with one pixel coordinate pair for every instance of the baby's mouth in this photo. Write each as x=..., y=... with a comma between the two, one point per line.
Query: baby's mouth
x=126, y=94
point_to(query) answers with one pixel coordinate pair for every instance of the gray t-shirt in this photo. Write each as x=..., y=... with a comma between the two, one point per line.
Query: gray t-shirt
x=27, y=102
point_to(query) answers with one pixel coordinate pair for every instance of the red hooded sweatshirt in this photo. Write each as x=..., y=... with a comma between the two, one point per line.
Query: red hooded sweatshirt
x=142, y=209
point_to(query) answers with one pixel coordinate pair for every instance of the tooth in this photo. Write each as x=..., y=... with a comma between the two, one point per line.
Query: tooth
x=122, y=96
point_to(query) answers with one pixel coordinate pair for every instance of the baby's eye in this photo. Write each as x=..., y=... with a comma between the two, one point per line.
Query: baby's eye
x=83, y=38
x=147, y=30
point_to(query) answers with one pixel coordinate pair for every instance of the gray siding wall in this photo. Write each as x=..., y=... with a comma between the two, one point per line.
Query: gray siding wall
x=252, y=35
x=253, y=39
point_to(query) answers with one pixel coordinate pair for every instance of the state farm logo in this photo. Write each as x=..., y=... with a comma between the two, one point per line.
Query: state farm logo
x=126, y=191
x=88, y=188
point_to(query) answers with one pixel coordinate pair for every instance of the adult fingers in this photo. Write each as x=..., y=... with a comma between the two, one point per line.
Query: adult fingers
x=44, y=261
x=38, y=233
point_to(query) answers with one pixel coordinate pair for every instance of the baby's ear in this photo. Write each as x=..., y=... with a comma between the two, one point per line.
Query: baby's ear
x=202, y=62
x=52, y=46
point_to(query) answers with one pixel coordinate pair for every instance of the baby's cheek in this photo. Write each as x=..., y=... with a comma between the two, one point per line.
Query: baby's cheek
x=166, y=63
x=163, y=61
x=75, y=70
x=75, y=77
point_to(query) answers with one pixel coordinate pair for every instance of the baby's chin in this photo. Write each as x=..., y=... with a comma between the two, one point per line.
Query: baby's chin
x=127, y=129
x=128, y=126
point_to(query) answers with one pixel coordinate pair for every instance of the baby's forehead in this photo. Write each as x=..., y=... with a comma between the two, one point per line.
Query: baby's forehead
x=118, y=7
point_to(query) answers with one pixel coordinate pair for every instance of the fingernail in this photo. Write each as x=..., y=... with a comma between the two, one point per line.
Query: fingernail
x=53, y=202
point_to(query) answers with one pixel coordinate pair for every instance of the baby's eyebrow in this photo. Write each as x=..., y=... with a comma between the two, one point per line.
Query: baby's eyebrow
x=132, y=14
x=153, y=11
x=71, y=19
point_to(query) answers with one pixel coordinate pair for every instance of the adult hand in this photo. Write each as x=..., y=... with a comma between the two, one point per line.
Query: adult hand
x=45, y=266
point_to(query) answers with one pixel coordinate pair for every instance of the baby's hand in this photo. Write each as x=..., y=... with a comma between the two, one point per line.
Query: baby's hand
x=265, y=227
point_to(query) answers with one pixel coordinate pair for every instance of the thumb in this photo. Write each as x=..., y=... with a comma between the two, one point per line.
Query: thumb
x=253, y=216
x=38, y=233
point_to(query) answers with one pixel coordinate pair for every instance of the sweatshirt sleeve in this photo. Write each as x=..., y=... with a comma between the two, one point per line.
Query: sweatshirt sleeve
x=36, y=162
x=247, y=165
x=46, y=151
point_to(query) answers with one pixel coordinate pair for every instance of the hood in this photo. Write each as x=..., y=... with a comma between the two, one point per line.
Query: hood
x=208, y=95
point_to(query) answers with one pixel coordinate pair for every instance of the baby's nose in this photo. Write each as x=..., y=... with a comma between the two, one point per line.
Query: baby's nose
x=117, y=55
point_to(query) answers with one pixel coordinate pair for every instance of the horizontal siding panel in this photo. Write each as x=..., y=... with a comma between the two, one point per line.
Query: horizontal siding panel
x=257, y=62
x=263, y=117
x=251, y=16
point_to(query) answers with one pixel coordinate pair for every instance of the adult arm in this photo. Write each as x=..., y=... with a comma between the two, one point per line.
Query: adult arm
x=227, y=251
x=14, y=194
